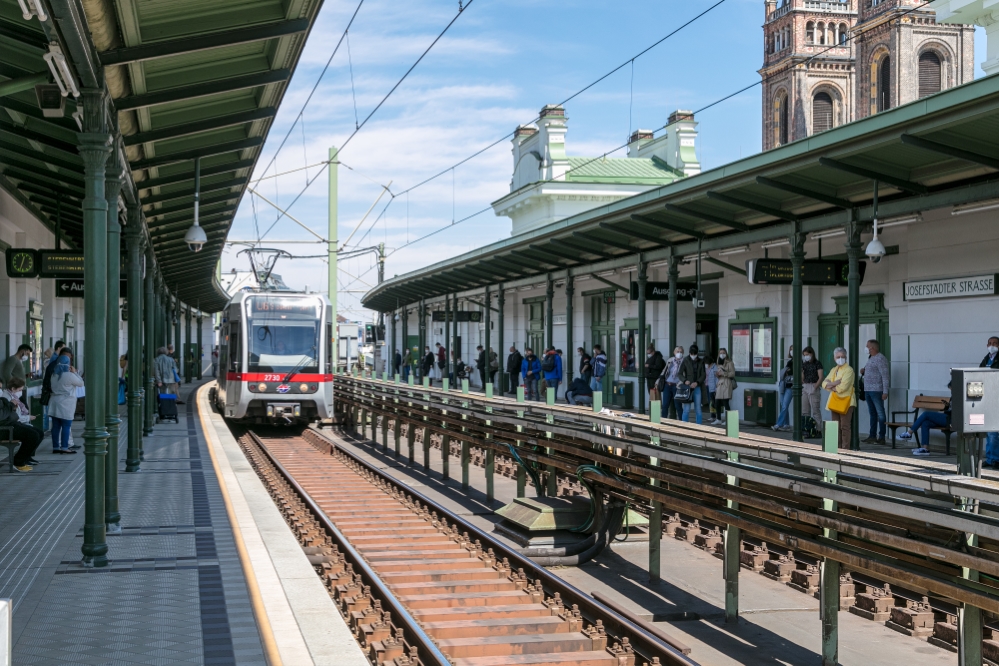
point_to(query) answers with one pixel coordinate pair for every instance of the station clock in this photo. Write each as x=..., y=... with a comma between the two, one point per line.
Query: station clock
x=22, y=263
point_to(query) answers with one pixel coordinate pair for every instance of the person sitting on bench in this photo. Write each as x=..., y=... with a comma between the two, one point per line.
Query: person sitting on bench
x=12, y=416
x=923, y=423
x=579, y=392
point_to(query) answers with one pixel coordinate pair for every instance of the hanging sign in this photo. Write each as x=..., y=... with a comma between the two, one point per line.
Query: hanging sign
x=814, y=273
x=74, y=288
x=461, y=315
x=659, y=291
x=60, y=264
x=977, y=285
x=610, y=296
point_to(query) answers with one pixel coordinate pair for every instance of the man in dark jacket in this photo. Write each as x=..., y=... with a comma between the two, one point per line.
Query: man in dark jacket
x=585, y=369
x=428, y=362
x=480, y=365
x=991, y=360
x=513, y=363
x=693, y=374
x=579, y=392
x=654, y=366
x=530, y=368
x=397, y=363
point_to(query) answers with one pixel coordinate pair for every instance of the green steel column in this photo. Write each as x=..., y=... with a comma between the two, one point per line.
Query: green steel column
x=112, y=190
x=199, y=363
x=395, y=345
x=136, y=363
x=423, y=331
x=488, y=369
x=853, y=250
x=674, y=276
x=332, y=242
x=733, y=536
x=570, y=351
x=149, y=310
x=448, y=341
x=501, y=349
x=94, y=147
x=185, y=350
x=549, y=300
x=797, y=261
x=178, y=343
x=167, y=326
x=643, y=276
x=656, y=515
x=969, y=618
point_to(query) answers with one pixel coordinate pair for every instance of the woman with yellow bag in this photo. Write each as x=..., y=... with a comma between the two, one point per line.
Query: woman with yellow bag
x=842, y=398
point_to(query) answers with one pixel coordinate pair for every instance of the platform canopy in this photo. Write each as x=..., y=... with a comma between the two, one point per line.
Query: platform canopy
x=939, y=151
x=187, y=78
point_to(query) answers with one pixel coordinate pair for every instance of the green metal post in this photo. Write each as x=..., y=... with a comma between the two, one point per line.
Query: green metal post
x=199, y=364
x=332, y=233
x=178, y=342
x=94, y=147
x=549, y=314
x=136, y=363
x=797, y=262
x=732, y=537
x=448, y=343
x=411, y=442
x=500, y=347
x=466, y=458
x=674, y=276
x=969, y=618
x=112, y=420
x=829, y=569
x=853, y=250
x=570, y=350
x=656, y=515
x=521, y=472
x=426, y=449
x=446, y=457
x=397, y=432
x=185, y=351
x=643, y=276
x=488, y=300
x=149, y=313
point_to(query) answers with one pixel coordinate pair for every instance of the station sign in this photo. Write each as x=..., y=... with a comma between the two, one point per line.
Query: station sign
x=74, y=288
x=814, y=273
x=659, y=291
x=474, y=316
x=975, y=285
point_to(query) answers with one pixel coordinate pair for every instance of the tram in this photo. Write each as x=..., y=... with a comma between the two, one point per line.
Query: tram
x=275, y=358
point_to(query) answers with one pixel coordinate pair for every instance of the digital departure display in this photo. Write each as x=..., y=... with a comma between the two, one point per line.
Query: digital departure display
x=813, y=273
x=276, y=305
x=61, y=264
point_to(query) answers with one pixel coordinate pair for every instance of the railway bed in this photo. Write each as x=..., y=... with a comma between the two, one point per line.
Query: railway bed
x=420, y=585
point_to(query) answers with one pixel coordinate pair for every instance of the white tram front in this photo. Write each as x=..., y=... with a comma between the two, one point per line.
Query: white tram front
x=275, y=358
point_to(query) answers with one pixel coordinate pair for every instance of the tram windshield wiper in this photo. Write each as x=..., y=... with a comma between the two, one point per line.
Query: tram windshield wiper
x=301, y=363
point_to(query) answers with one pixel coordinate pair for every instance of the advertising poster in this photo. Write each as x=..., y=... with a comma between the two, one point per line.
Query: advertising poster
x=762, y=349
x=741, y=355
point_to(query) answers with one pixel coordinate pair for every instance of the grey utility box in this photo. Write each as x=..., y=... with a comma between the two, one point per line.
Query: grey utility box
x=974, y=400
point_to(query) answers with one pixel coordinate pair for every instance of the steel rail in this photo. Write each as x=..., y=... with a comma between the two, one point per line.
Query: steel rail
x=643, y=642
x=429, y=653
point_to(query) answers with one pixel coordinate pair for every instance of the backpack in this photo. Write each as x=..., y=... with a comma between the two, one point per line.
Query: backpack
x=548, y=364
x=493, y=361
x=809, y=429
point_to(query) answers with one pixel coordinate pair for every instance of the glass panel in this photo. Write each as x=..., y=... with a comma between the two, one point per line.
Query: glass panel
x=629, y=338
x=283, y=334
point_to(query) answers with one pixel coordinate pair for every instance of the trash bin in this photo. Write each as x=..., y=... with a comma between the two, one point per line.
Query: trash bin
x=760, y=406
x=623, y=395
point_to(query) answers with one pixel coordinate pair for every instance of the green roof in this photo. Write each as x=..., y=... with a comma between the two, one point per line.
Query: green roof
x=625, y=170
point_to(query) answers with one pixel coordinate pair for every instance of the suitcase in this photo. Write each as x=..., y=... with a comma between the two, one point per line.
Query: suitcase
x=166, y=407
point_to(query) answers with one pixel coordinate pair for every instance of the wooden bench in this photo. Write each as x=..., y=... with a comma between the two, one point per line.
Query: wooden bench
x=7, y=440
x=929, y=403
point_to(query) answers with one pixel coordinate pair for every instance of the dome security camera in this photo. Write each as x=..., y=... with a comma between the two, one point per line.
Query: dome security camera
x=875, y=249
x=195, y=238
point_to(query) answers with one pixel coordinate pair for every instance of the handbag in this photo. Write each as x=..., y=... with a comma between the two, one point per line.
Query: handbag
x=838, y=403
x=861, y=396
x=683, y=393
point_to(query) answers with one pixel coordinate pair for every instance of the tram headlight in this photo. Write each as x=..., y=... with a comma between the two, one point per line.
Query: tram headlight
x=261, y=387
x=304, y=388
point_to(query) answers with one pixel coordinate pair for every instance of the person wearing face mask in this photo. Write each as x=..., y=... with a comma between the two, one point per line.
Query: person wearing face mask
x=811, y=386
x=842, y=397
x=62, y=406
x=19, y=419
x=785, y=388
x=692, y=374
x=991, y=360
x=666, y=385
x=654, y=366
x=428, y=362
x=710, y=387
x=725, y=372
x=877, y=379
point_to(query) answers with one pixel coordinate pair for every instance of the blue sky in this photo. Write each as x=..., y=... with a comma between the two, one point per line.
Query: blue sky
x=495, y=69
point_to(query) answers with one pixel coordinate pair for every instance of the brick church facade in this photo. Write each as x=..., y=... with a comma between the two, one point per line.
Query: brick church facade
x=827, y=63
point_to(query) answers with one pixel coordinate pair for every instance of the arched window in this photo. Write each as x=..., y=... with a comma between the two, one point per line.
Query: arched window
x=929, y=73
x=843, y=34
x=822, y=113
x=820, y=36
x=810, y=33
x=884, y=84
x=781, y=112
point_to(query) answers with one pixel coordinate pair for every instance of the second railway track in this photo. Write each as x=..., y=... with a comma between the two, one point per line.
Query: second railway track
x=419, y=585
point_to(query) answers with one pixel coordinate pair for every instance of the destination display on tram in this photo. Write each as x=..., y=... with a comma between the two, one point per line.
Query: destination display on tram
x=282, y=306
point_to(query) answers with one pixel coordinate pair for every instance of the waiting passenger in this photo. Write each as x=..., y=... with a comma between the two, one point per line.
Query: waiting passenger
x=785, y=390
x=13, y=366
x=599, y=363
x=654, y=366
x=692, y=374
x=579, y=392
x=62, y=406
x=877, y=379
x=842, y=396
x=811, y=387
x=991, y=360
x=725, y=371
x=530, y=369
x=513, y=363
x=667, y=384
x=551, y=368
x=711, y=387
x=585, y=364
x=165, y=371
x=15, y=415
x=926, y=420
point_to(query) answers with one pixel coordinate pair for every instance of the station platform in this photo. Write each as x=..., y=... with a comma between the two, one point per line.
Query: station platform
x=204, y=572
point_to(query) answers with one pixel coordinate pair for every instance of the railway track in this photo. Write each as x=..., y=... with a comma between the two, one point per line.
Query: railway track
x=418, y=585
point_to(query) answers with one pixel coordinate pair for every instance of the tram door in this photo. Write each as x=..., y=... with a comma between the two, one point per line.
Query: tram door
x=232, y=367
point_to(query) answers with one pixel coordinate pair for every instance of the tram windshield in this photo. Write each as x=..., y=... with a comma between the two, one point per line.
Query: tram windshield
x=284, y=334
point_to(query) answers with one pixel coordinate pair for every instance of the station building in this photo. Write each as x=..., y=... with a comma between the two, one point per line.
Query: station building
x=926, y=170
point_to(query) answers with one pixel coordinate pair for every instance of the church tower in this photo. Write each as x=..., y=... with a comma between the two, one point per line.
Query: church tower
x=903, y=54
x=808, y=68
x=828, y=62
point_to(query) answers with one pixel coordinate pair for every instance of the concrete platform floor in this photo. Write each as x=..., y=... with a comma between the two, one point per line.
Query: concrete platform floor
x=778, y=625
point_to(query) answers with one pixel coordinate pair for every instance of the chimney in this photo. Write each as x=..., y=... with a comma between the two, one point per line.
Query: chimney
x=638, y=139
x=526, y=157
x=552, y=126
x=681, y=143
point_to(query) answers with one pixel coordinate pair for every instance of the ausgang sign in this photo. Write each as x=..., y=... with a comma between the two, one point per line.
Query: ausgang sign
x=976, y=285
